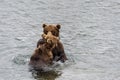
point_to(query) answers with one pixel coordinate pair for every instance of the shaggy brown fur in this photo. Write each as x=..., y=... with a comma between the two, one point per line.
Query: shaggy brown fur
x=43, y=53
x=57, y=51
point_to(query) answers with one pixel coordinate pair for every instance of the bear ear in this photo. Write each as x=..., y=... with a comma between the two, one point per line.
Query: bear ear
x=44, y=25
x=58, y=26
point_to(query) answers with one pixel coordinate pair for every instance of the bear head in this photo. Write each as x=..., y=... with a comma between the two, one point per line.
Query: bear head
x=50, y=39
x=53, y=29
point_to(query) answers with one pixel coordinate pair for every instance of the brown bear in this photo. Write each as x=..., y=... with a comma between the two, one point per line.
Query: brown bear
x=43, y=56
x=57, y=51
x=51, y=41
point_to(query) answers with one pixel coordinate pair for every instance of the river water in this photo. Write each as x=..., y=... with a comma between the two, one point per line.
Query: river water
x=90, y=33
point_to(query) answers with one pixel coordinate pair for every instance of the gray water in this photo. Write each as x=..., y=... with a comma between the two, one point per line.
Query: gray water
x=90, y=33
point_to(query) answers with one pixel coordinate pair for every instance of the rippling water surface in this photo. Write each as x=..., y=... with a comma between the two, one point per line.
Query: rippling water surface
x=90, y=33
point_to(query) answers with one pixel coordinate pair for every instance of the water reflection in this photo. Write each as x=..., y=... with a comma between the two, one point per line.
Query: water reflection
x=49, y=75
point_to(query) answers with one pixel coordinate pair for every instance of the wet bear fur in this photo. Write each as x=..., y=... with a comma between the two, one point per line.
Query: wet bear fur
x=43, y=55
x=57, y=51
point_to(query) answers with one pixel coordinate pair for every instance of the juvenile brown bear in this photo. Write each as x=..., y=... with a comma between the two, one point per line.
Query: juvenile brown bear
x=43, y=56
x=51, y=39
x=57, y=51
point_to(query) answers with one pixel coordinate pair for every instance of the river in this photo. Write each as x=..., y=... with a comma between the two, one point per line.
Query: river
x=90, y=33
